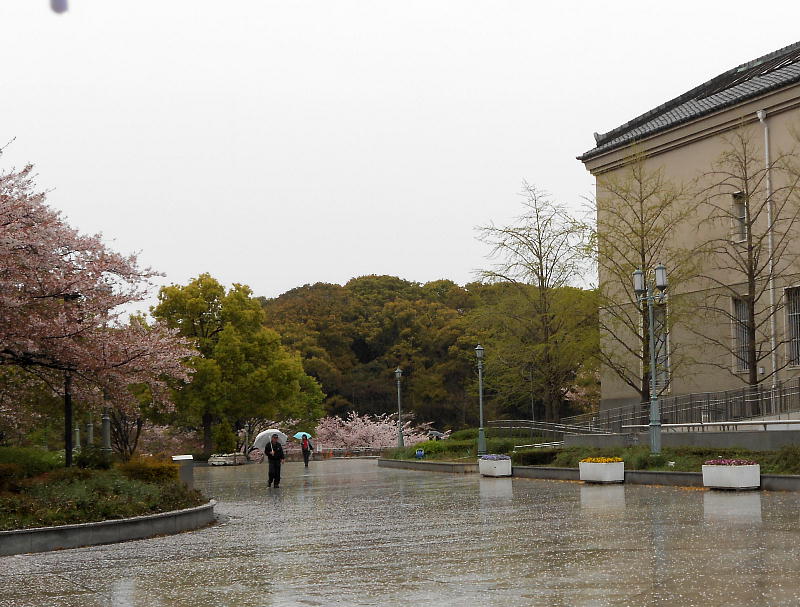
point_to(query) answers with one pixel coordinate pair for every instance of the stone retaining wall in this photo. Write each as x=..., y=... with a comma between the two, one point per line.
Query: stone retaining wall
x=430, y=466
x=43, y=539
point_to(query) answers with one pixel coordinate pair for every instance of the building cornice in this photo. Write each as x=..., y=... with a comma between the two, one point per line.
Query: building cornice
x=711, y=125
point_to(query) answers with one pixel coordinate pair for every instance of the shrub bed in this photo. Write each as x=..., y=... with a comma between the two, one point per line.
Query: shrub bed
x=453, y=449
x=685, y=459
x=61, y=496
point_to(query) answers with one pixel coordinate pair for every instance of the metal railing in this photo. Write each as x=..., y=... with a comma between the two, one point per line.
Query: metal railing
x=705, y=407
x=540, y=434
x=725, y=425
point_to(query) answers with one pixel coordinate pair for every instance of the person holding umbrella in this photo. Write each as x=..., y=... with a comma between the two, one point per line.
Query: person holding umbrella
x=274, y=452
x=306, y=445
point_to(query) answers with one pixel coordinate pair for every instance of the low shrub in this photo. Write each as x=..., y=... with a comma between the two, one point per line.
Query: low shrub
x=94, y=458
x=149, y=470
x=467, y=434
x=453, y=449
x=10, y=474
x=64, y=475
x=30, y=460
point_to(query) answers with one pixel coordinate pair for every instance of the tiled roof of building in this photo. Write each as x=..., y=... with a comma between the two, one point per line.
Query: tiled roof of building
x=770, y=72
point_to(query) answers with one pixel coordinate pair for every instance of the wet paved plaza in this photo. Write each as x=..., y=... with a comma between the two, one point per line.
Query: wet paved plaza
x=350, y=533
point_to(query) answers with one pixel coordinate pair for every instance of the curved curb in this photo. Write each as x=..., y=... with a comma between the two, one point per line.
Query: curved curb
x=44, y=539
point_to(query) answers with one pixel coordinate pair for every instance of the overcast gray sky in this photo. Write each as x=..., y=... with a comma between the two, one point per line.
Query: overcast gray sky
x=283, y=143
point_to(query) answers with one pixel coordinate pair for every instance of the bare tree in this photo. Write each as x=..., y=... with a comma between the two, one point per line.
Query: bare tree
x=754, y=207
x=542, y=254
x=639, y=212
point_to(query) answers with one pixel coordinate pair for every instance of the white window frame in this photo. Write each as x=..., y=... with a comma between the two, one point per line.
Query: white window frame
x=738, y=217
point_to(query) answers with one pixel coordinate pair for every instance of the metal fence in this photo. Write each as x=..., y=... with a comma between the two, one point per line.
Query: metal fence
x=730, y=405
x=536, y=433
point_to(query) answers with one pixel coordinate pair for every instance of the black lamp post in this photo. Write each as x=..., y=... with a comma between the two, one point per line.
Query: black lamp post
x=398, y=373
x=645, y=295
x=481, y=435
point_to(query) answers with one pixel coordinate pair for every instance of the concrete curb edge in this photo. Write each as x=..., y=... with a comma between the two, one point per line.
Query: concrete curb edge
x=44, y=539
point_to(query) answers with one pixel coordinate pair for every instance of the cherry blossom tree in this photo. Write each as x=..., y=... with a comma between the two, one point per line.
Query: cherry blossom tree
x=373, y=431
x=62, y=295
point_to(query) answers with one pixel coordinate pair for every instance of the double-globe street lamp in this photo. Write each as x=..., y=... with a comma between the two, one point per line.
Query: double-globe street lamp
x=398, y=373
x=481, y=435
x=646, y=295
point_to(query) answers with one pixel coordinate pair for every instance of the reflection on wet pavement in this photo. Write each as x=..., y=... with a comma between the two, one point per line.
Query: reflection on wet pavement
x=350, y=533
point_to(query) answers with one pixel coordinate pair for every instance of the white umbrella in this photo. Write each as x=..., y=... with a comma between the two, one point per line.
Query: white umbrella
x=264, y=437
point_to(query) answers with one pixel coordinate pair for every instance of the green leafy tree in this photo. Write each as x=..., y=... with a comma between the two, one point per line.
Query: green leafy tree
x=244, y=371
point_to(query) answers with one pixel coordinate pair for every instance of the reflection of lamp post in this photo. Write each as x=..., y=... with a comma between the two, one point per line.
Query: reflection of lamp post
x=644, y=294
x=398, y=373
x=481, y=435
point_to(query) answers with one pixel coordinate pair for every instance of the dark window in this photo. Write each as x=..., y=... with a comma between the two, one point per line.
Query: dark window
x=793, y=324
x=741, y=338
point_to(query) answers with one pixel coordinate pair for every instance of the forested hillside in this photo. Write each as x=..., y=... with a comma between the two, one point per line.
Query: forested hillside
x=351, y=338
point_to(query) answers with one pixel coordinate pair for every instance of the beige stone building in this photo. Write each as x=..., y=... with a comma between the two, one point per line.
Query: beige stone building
x=707, y=184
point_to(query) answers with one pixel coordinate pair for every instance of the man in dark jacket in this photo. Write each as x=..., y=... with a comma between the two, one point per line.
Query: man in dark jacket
x=274, y=453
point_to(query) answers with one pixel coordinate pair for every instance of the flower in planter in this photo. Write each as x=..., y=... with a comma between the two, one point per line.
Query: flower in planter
x=494, y=458
x=729, y=462
x=601, y=460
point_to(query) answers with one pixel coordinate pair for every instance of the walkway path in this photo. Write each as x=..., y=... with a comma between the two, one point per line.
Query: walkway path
x=349, y=533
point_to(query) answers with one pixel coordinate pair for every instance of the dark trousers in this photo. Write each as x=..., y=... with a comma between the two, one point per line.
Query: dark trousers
x=274, y=472
x=306, y=454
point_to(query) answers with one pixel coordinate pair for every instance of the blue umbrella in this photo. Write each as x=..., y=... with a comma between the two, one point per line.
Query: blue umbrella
x=302, y=435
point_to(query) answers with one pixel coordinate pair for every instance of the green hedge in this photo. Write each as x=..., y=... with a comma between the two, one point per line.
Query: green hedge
x=149, y=470
x=30, y=461
x=453, y=449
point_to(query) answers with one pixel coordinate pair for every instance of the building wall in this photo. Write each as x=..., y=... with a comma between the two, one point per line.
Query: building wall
x=687, y=154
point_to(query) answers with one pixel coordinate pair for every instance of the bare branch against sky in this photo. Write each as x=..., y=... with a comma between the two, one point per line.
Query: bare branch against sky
x=282, y=143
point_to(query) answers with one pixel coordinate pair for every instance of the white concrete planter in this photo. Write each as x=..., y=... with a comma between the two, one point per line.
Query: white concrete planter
x=500, y=467
x=227, y=459
x=732, y=477
x=613, y=472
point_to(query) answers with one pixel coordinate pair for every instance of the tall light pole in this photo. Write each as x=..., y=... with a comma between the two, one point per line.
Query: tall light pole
x=398, y=373
x=481, y=435
x=645, y=295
